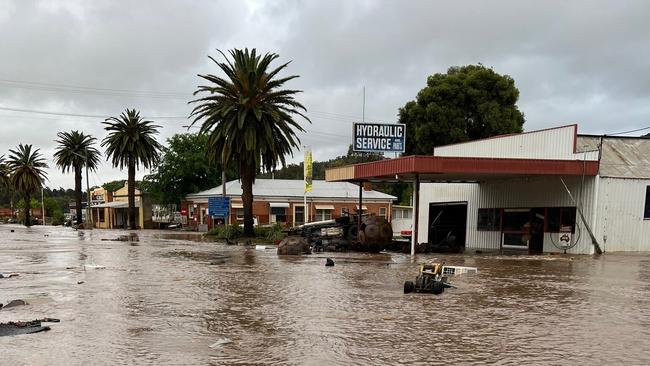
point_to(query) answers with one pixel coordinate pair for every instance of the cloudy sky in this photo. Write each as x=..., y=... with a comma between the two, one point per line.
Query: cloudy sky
x=80, y=61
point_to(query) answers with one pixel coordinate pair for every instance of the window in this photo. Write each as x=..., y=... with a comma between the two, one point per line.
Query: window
x=489, y=219
x=278, y=214
x=382, y=212
x=646, y=213
x=299, y=215
x=101, y=215
x=322, y=215
x=238, y=213
x=345, y=212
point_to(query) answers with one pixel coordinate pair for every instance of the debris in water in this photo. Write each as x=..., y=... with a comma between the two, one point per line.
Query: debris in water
x=220, y=343
x=34, y=326
x=329, y=262
x=8, y=275
x=80, y=282
x=13, y=303
x=93, y=266
x=260, y=247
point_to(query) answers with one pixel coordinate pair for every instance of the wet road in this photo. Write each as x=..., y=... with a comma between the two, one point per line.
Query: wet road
x=172, y=300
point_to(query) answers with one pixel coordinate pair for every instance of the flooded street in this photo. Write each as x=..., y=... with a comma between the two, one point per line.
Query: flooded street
x=171, y=299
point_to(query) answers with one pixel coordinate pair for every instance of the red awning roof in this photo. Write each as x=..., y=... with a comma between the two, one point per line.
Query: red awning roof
x=438, y=168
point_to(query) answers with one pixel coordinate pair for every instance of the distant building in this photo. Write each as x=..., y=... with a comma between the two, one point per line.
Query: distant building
x=282, y=201
x=110, y=210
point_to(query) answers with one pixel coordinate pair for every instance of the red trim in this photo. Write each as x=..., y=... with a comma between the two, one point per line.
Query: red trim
x=575, y=127
x=416, y=164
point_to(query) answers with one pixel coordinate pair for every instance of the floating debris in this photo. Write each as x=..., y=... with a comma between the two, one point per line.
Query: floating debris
x=17, y=328
x=329, y=262
x=8, y=275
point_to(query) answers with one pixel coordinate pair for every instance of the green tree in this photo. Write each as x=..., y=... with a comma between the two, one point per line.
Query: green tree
x=75, y=150
x=26, y=166
x=248, y=118
x=131, y=143
x=5, y=182
x=182, y=169
x=113, y=185
x=466, y=103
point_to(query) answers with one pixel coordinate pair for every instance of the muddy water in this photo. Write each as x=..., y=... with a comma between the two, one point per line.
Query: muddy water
x=173, y=300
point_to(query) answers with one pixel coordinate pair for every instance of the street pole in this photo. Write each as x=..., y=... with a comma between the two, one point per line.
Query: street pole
x=43, y=204
x=89, y=200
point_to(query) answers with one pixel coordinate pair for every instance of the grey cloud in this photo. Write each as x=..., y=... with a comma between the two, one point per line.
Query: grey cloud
x=579, y=61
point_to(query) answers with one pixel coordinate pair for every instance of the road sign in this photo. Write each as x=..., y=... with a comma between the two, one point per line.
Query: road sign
x=377, y=137
x=219, y=206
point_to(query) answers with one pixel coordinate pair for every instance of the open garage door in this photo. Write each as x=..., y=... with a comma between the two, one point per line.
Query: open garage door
x=448, y=225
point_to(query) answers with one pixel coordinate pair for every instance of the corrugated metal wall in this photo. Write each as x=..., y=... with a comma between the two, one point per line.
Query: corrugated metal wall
x=621, y=205
x=556, y=143
x=510, y=193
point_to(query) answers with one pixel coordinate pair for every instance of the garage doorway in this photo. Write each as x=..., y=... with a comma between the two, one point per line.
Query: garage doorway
x=448, y=223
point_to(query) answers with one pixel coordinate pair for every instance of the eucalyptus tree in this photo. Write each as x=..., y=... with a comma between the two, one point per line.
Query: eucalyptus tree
x=248, y=117
x=130, y=143
x=27, y=171
x=75, y=151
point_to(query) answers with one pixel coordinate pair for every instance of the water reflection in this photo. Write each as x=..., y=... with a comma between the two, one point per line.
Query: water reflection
x=177, y=299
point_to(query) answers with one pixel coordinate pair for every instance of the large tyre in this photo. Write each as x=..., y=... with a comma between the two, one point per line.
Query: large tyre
x=409, y=287
x=438, y=287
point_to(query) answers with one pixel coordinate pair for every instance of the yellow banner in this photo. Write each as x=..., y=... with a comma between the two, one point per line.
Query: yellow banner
x=308, y=171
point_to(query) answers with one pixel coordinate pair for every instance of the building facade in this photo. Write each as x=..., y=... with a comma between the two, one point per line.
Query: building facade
x=550, y=190
x=282, y=201
x=110, y=210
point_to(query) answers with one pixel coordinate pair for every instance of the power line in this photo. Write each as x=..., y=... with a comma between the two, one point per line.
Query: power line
x=624, y=132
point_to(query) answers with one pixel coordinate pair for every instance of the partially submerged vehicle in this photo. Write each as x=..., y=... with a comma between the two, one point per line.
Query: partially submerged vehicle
x=373, y=234
x=434, y=278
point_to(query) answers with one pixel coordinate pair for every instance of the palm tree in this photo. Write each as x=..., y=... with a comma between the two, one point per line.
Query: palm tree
x=75, y=150
x=130, y=142
x=248, y=118
x=26, y=167
x=5, y=178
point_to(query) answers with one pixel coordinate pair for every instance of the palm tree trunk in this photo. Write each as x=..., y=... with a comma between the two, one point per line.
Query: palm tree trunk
x=247, y=177
x=77, y=193
x=28, y=206
x=131, y=193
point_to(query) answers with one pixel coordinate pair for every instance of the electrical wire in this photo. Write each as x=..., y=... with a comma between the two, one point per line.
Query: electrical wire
x=624, y=132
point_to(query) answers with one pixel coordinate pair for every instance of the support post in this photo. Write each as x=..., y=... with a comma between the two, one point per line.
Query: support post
x=360, y=208
x=89, y=200
x=416, y=213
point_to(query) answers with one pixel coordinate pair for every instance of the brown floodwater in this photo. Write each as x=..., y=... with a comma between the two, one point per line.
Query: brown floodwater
x=174, y=299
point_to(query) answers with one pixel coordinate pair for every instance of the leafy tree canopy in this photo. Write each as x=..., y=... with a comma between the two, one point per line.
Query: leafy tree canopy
x=466, y=103
x=183, y=169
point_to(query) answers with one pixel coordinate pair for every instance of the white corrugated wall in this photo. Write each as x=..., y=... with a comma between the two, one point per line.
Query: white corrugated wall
x=621, y=206
x=556, y=143
x=510, y=193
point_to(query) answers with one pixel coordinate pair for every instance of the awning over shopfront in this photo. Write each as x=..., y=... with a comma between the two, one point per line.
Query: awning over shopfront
x=237, y=205
x=115, y=204
x=324, y=207
x=279, y=204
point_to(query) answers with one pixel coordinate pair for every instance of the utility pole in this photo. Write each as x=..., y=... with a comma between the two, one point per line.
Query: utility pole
x=43, y=204
x=89, y=212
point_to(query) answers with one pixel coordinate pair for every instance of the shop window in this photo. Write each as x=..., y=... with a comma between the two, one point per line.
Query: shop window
x=382, y=212
x=279, y=213
x=322, y=215
x=515, y=219
x=101, y=215
x=299, y=213
x=489, y=219
x=568, y=217
x=557, y=217
x=646, y=213
x=238, y=213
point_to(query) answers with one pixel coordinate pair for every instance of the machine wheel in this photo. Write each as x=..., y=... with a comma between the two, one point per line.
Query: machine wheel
x=438, y=287
x=409, y=287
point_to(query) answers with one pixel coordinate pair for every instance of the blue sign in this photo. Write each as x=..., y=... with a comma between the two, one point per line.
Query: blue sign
x=378, y=137
x=219, y=206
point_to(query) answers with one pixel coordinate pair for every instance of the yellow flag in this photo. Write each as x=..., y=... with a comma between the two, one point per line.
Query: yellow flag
x=308, y=171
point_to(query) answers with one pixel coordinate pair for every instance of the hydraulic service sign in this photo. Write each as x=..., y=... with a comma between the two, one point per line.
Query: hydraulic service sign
x=379, y=137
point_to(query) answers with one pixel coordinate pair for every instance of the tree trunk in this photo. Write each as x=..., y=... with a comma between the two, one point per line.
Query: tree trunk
x=131, y=193
x=28, y=206
x=247, y=173
x=77, y=193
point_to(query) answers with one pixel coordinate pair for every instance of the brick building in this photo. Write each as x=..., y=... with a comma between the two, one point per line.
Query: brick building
x=281, y=201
